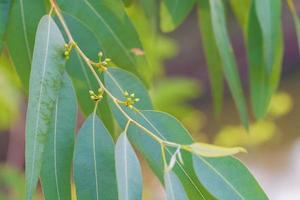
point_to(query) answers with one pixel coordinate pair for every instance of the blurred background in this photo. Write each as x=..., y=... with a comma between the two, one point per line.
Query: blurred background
x=181, y=87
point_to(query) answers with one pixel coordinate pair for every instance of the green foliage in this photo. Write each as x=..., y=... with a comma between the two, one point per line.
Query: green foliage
x=45, y=82
x=188, y=169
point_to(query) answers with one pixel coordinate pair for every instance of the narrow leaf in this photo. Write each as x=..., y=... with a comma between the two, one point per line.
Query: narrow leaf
x=45, y=82
x=4, y=10
x=174, y=189
x=227, y=178
x=56, y=169
x=129, y=174
x=268, y=15
x=208, y=150
x=20, y=35
x=227, y=57
x=94, y=165
x=296, y=20
x=241, y=11
x=262, y=82
x=172, y=13
x=212, y=55
x=111, y=26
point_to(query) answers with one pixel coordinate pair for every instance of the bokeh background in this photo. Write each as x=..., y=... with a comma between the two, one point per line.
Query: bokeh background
x=181, y=87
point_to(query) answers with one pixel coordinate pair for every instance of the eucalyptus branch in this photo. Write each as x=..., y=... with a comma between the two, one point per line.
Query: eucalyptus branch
x=90, y=64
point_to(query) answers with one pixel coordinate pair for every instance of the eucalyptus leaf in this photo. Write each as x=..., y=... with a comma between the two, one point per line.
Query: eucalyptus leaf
x=227, y=178
x=212, y=55
x=111, y=26
x=4, y=9
x=94, y=164
x=45, y=82
x=56, y=169
x=129, y=174
x=228, y=58
x=20, y=35
x=174, y=189
x=208, y=150
x=172, y=13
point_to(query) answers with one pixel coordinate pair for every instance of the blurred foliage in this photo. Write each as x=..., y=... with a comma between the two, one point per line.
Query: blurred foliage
x=260, y=131
x=174, y=96
x=12, y=183
x=9, y=93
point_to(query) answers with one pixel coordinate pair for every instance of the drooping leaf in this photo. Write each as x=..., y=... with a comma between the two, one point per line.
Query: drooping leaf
x=56, y=168
x=94, y=165
x=20, y=35
x=174, y=189
x=128, y=170
x=81, y=75
x=241, y=11
x=127, y=2
x=227, y=178
x=172, y=13
x=45, y=82
x=4, y=9
x=268, y=14
x=208, y=150
x=212, y=56
x=111, y=26
x=117, y=82
x=228, y=58
x=262, y=83
x=296, y=20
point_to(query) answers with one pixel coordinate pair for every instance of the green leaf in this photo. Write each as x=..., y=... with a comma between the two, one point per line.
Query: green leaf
x=127, y=2
x=45, y=82
x=81, y=75
x=174, y=189
x=117, y=82
x=228, y=58
x=212, y=55
x=111, y=26
x=168, y=128
x=208, y=150
x=4, y=8
x=227, y=178
x=241, y=11
x=20, y=35
x=56, y=169
x=262, y=83
x=296, y=20
x=172, y=13
x=129, y=174
x=268, y=14
x=94, y=165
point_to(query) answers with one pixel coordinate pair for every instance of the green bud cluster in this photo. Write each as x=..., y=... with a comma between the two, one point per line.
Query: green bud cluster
x=68, y=49
x=130, y=99
x=103, y=64
x=98, y=96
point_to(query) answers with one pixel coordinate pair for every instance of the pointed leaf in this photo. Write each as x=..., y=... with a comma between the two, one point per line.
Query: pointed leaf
x=111, y=26
x=4, y=9
x=129, y=174
x=172, y=13
x=296, y=20
x=262, y=83
x=227, y=178
x=208, y=150
x=241, y=11
x=117, y=82
x=228, y=58
x=56, y=169
x=94, y=165
x=174, y=189
x=45, y=82
x=212, y=56
x=20, y=35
